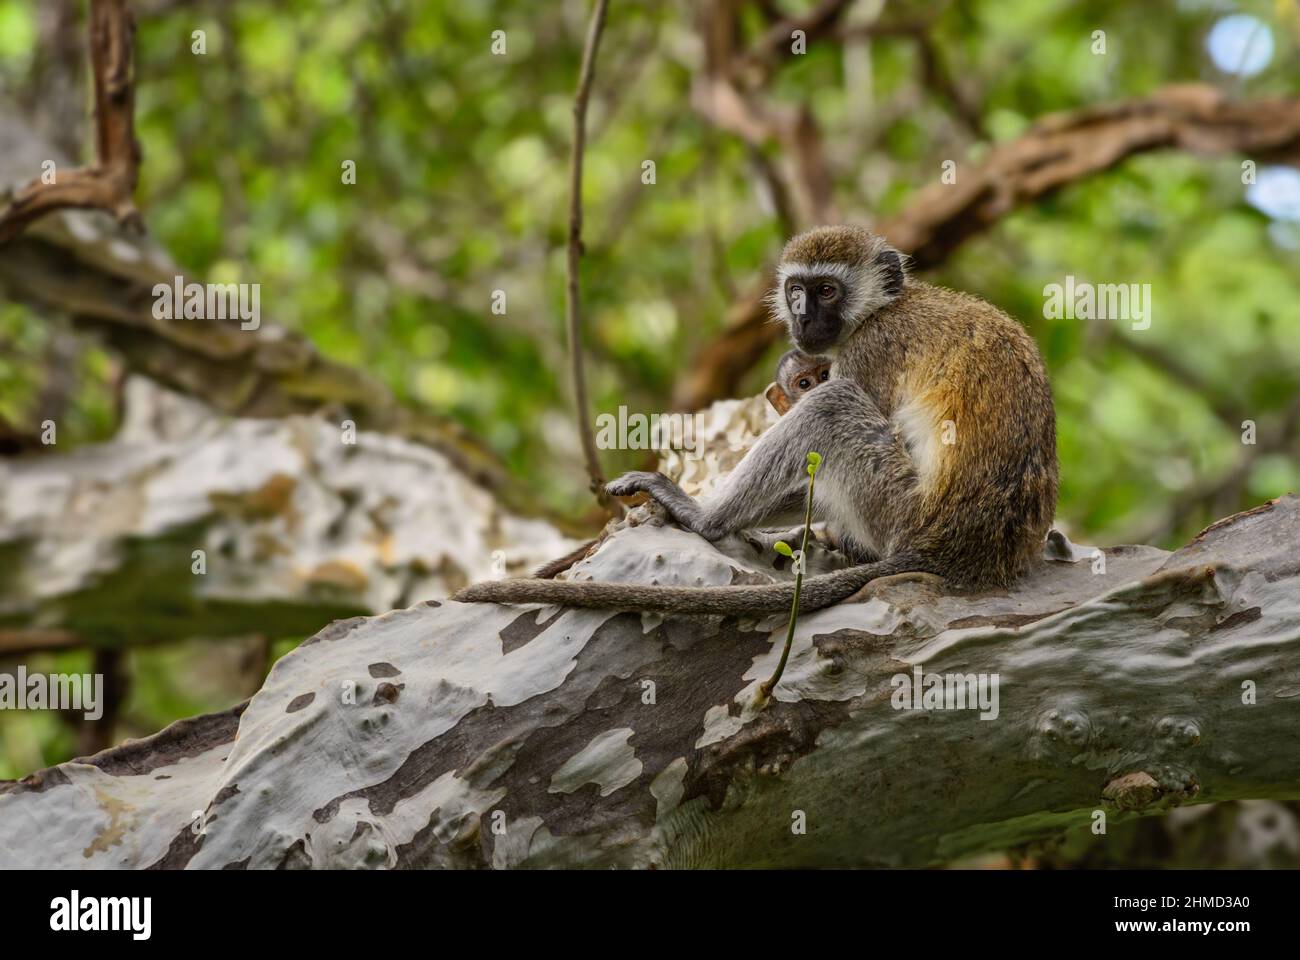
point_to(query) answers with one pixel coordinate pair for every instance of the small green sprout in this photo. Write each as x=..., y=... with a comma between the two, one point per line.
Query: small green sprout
x=783, y=548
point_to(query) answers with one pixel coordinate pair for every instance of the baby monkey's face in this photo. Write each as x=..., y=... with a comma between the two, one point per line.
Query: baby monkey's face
x=796, y=374
x=801, y=381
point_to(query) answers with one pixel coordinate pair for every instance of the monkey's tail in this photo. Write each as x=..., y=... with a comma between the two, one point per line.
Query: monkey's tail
x=549, y=571
x=820, y=591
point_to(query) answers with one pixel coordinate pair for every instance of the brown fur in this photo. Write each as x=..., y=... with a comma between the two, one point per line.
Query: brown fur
x=840, y=244
x=984, y=509
x=793, y=366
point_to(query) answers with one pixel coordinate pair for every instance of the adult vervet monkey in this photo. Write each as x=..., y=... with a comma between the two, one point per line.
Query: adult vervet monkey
x=936, y=430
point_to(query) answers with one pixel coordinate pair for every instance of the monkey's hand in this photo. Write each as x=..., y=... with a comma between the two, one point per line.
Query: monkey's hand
x=637, y=481
x=680, y=507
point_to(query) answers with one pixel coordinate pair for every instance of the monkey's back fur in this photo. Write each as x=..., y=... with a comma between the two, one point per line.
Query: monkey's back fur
x=965, y=388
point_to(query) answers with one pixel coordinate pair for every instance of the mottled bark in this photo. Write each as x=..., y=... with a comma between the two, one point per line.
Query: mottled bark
x=192, y=525
x=452, y=735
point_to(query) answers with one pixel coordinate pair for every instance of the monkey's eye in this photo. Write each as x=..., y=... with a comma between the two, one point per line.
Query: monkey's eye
x=826, y=375
x=804, y=383
x=827, y=291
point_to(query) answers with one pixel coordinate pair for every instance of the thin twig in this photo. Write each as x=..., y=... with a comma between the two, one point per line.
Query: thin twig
x=109, y=184
x=573, y=309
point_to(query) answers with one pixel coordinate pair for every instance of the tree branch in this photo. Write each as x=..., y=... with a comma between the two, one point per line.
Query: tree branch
x=110, y=184
x=1065, y=148
x=579, y=739
x=104, y=282
x=1057, y=151
x=801, y=184
x=573, y=284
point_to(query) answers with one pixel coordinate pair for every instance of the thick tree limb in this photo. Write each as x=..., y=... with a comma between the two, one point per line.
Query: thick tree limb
x=110, y=184
x=78, y=263
x=298, y=523
x=1058, y=150
x=1064, y=148
x=507, y=737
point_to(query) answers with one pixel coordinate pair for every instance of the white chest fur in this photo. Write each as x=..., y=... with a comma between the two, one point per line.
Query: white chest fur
x=923, y=436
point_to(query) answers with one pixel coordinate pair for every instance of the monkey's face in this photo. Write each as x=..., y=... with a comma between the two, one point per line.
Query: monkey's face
x=811, y=377
x=816, y=306
x=804, y=380
x=830, y=281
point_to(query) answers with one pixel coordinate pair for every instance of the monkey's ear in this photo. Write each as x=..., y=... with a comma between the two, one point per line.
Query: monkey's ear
x=890, y=266
x=777, y=398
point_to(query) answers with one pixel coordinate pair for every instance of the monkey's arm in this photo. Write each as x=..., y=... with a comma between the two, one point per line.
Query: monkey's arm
x=866, y=482
x=710, y=520
x=770, y=481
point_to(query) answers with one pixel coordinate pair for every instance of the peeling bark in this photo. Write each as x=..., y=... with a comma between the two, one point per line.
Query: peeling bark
x=453, y=735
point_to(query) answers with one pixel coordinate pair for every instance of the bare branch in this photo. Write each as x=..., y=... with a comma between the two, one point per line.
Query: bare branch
x=1058, y=150
x=109, y=184
x=573, y=287
x=14, y=643
x=1063, y=148
x=800, y=182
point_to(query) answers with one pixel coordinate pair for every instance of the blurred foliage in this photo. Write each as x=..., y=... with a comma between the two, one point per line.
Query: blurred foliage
x=461, y=190
x=462, y=183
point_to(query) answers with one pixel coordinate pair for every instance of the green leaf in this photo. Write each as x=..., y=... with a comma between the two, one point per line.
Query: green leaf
x=783, y=548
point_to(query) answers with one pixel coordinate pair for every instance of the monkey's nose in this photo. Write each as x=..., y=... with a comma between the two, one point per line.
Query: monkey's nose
x=807, y=320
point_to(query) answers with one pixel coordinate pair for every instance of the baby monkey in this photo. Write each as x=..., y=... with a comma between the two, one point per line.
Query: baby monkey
x=796, y=374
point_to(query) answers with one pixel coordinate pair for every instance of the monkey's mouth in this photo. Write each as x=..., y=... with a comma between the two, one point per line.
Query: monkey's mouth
x=818, y=330
x=815, y=341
